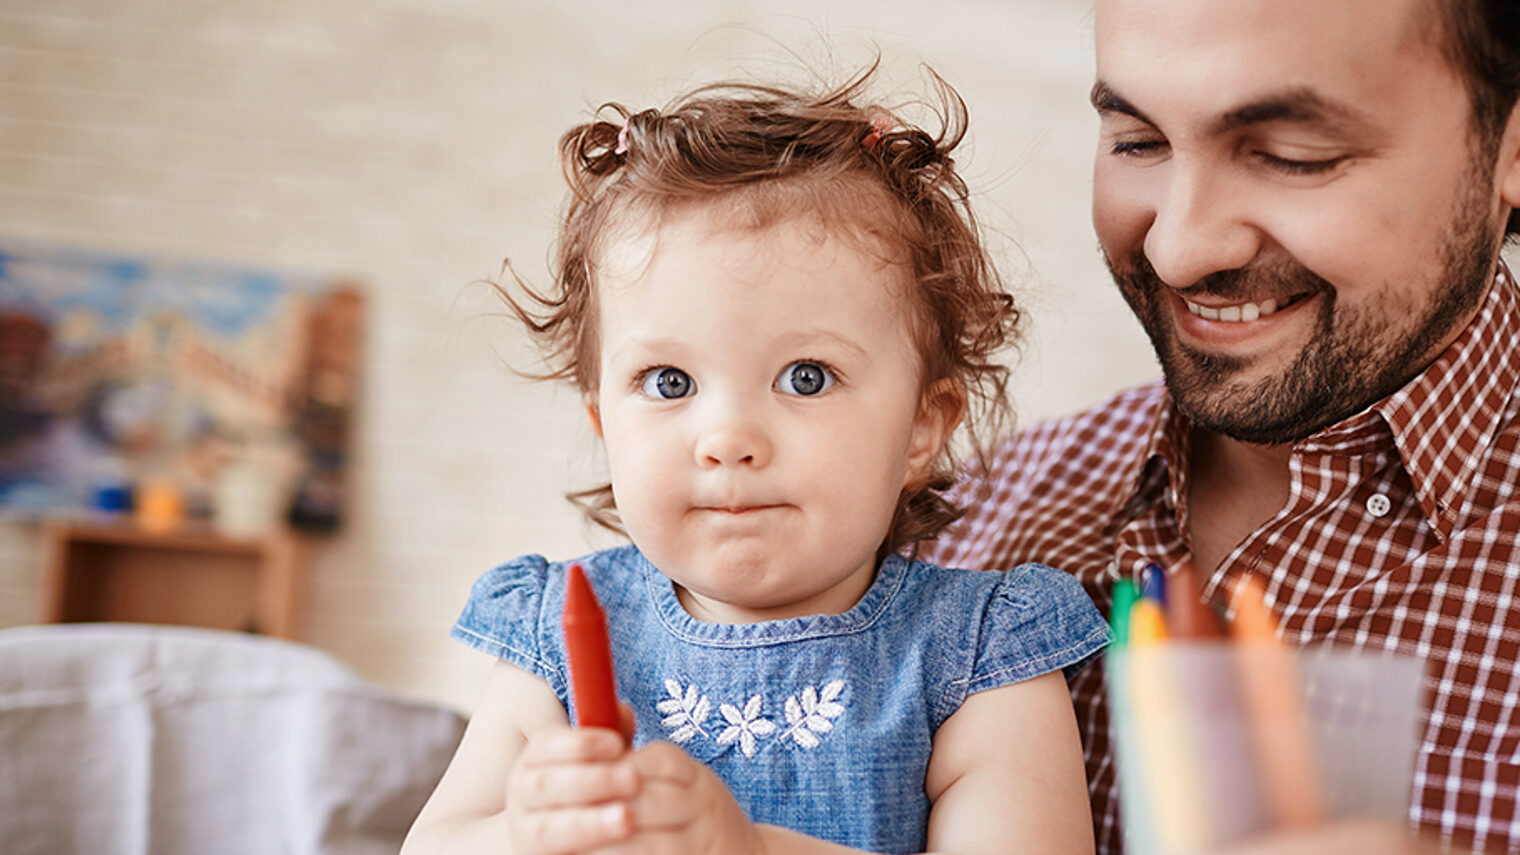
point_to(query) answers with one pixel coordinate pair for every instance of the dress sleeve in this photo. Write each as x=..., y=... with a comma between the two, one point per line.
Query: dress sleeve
x=505, y=618
x=1037, y=620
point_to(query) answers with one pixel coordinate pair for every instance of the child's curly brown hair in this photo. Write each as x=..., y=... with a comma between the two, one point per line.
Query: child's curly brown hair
x=766, y=153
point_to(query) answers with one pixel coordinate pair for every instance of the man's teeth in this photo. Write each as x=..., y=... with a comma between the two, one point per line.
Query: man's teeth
x=1238, y=313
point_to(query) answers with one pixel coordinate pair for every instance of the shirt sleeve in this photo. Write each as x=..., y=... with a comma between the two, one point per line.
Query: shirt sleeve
x=1037, y=620
x=504, y=617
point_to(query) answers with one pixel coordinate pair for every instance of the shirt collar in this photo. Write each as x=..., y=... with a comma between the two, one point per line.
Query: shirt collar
x=1440, y=421
x=1166, y=446
x=1444, y=420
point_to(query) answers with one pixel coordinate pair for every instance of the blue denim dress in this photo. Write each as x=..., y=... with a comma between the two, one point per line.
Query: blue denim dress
x=821, y=724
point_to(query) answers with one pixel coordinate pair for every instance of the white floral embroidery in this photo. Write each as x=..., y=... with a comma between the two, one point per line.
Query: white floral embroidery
x=684, y=711
x=809, y=713
x=813, y=714
x=745, y=726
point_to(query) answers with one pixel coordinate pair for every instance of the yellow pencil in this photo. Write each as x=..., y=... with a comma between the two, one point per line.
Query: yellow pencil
x=1180, y=813
x=1147, y=623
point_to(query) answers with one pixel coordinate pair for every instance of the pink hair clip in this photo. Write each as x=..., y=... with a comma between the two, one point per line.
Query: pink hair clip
x=622, y=143
x=881, y=124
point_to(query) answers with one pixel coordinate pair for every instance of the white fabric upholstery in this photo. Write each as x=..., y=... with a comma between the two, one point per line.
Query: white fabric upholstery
x=120, y=739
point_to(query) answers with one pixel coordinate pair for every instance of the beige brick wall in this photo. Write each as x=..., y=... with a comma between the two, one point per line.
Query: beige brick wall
x=410, y=144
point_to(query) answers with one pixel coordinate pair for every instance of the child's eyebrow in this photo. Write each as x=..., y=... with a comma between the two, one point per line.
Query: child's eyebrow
x=797, y=339
x=639, y=346
x=804, y=338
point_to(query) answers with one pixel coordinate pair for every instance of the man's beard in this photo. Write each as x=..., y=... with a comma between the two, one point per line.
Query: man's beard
x=1356, y=357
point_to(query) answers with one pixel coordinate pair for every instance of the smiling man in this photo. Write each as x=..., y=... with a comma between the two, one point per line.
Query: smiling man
x=1304, y=201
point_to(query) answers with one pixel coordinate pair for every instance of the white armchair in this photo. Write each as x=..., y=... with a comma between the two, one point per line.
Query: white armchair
x=120, y=739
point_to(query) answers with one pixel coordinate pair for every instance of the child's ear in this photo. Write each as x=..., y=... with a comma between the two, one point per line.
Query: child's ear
x=593, y=413
x=939, y=412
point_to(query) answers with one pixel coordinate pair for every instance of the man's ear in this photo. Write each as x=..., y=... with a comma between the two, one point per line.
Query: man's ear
x=593, y=413
x=1508, y=172
x=939, y=412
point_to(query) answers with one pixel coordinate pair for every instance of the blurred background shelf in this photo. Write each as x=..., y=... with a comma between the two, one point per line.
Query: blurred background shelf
x=188, y=576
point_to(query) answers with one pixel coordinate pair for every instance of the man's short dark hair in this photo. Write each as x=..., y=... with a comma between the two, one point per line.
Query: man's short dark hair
x=1482, y=40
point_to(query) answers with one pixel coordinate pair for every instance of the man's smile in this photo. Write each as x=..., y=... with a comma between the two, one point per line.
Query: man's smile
x=1240, y=312
x=1241, y=328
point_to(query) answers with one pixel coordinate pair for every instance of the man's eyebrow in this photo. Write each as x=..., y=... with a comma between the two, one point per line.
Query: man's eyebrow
x=1298, y=106
x=1105, y=100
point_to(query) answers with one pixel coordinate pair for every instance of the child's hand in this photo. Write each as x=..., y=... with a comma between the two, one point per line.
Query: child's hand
x=570, y=791
x=683, y=808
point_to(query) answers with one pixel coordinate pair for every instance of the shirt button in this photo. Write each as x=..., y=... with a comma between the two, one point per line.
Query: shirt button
x=1378, y=505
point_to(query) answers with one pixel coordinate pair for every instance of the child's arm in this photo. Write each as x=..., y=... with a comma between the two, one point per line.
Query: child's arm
x=522, y=781
x=1006, y=775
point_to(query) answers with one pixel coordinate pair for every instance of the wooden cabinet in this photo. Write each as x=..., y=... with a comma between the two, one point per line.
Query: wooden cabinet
x=189, y=576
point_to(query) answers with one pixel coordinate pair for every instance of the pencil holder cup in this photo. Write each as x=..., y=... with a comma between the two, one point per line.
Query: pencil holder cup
x=1218, y=742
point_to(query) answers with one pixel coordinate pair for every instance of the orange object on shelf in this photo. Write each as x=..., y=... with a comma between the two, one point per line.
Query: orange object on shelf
x=160, y=506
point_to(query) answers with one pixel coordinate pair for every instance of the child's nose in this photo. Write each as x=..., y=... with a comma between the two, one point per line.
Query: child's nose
x=734, y=443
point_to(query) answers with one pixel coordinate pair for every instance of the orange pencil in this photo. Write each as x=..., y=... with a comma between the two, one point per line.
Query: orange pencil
x=590, y=654
x=1270, y=688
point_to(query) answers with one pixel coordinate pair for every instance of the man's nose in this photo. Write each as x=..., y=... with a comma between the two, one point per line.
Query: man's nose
x=1201, y=226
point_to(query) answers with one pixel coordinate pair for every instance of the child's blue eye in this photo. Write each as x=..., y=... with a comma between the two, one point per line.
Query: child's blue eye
x=667, y=383
x=804, y=378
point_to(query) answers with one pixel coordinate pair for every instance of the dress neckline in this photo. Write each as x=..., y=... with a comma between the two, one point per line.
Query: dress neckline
x=861, y=616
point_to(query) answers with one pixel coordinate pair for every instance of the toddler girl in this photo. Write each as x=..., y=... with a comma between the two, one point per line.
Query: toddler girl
x=778, y=310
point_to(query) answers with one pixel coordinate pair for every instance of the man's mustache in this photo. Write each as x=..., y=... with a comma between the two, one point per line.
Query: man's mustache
x=1258, y=281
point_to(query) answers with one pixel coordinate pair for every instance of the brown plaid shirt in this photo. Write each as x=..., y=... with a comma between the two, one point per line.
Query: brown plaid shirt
x=1402, y=533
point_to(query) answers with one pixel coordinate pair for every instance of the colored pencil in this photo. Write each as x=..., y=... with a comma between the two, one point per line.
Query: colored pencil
x=1271, y=694
x=1147, y=623
x=1118, y=615
x=1153, y=583
x=1179, y=812
x=1187, y=615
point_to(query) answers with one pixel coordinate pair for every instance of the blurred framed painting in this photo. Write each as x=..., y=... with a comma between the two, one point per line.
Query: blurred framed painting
x=118, y=372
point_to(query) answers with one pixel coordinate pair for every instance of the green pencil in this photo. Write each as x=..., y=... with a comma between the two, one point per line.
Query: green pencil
x=1125, y=594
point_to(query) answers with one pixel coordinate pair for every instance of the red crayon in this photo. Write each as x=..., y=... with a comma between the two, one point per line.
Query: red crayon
x=590, y=654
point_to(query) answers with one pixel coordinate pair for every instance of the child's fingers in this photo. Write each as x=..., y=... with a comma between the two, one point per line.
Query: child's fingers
x=661, y=806
x=667, y=799
x=572, y=830
x=541, y=787
x=649, y=843
x=572, y=745
x=663, y=761
x=568, y=767
x=682, y=807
